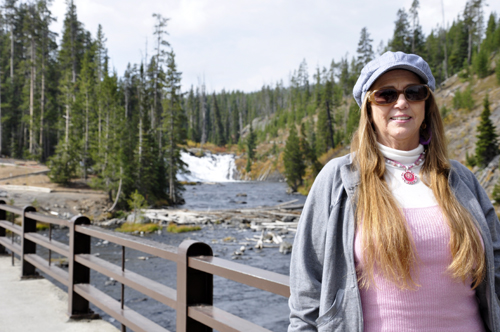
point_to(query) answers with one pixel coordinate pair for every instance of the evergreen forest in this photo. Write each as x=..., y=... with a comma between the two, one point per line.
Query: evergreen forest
x=61, y=105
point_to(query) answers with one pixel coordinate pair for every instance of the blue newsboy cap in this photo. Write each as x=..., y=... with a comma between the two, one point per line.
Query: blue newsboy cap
x=389, y=61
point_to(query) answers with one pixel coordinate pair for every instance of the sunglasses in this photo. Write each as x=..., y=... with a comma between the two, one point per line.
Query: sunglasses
x=388, y=96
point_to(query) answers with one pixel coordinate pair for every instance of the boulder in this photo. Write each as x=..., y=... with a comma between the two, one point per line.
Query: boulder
x=285, y=247
x=139, y=219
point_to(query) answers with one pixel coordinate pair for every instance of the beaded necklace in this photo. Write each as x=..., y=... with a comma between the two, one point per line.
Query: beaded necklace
x=408, y=176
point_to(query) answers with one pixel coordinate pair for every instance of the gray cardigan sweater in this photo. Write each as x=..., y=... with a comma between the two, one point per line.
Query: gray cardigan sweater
x=323, y=282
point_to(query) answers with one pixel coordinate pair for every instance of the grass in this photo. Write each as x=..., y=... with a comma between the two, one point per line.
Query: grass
x=173, y=228
x=131, y=228
x=40, y=226
x=189, y=183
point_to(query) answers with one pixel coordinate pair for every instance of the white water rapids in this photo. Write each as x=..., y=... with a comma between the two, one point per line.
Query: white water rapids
x=209, y=168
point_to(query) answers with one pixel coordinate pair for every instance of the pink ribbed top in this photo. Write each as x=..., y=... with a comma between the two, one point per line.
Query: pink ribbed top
x=440, y=303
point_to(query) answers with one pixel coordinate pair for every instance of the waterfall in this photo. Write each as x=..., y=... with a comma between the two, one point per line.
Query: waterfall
x=209, y=168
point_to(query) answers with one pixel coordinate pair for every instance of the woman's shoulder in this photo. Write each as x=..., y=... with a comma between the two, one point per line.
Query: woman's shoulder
x=460, y=173
x=337, y=173
x=461, y=169
x=336, y=164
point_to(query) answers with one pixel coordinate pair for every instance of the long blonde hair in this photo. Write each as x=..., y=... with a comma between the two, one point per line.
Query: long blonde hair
x=387, y=244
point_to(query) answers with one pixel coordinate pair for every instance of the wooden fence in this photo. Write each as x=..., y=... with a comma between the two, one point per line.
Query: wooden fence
x=196, y=266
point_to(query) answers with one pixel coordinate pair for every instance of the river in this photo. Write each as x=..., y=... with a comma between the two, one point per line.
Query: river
x=262, y=308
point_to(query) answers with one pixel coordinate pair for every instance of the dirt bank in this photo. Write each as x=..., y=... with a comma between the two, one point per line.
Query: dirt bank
x=26, y=183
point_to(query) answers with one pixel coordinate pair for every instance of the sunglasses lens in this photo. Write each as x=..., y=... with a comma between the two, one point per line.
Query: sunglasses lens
x=391, y=95
x=385, y=96
x=416, y=93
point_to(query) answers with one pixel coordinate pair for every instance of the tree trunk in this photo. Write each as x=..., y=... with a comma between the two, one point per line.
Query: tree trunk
x=126, y=101
x=171, y=168
x=140, y=140
x=42, y=105
x=32, y=93
x=140, y=125
x=99, y=127
x=330, y=129
x=106, y=148
x=73, y=56
x=12, y=53
x=66, y=138
x=86, y=134
x=469, y=51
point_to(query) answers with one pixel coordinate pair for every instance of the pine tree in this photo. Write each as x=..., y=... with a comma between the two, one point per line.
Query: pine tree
x=218, y=127
x=417, y=36
x=63, y=164
x=401, y=40
x=352, y=120
x=307, y=150
x=489, y=41
x=487, y=145
x=174, y=126
x=160, y=57
x=365, y=49
x=480, y=62
x=293, y=160
x=324, y=124
x=251, y=145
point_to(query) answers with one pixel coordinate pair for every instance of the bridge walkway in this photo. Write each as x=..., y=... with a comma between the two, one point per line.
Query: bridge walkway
x=37, y=305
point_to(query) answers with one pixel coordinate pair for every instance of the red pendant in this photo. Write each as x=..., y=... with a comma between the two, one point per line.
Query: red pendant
x=409, y=177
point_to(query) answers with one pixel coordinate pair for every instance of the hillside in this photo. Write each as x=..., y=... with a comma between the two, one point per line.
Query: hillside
x=460, y=126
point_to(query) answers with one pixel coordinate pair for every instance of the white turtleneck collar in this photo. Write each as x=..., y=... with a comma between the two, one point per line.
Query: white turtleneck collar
x=416, y=195
x=403, y=157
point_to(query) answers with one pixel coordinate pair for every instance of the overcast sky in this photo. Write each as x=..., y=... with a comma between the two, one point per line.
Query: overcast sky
x=242, y=44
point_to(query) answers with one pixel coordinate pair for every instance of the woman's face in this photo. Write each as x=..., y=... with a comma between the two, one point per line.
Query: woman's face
x=398, y=125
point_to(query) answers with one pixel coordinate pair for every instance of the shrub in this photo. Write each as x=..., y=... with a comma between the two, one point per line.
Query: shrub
x=131, y=228
x=470, y=160
x=444, y=111
x=137, y=202
x=497, y=69
x=173, y=228
x=463, y=99
x=481, y=63
x=496, y=193
x=62, y=164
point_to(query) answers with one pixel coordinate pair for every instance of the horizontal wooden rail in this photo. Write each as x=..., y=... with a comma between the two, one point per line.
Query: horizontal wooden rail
x=52, y=270
x=126, y=316
x=147, y=246
x=16, y=229
x=258, y=278
x=47, y=219
x=59, y=247
x=221, y=320
x=151, y=288
x=12, y=246
x=10, y=208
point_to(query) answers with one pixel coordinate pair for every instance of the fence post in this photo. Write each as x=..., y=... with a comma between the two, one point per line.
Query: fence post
x=78, y=307
x=193, y=286
x=28, y=270
x=2, y=230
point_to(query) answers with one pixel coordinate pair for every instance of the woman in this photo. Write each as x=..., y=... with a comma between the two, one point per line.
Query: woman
x=394, y=236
